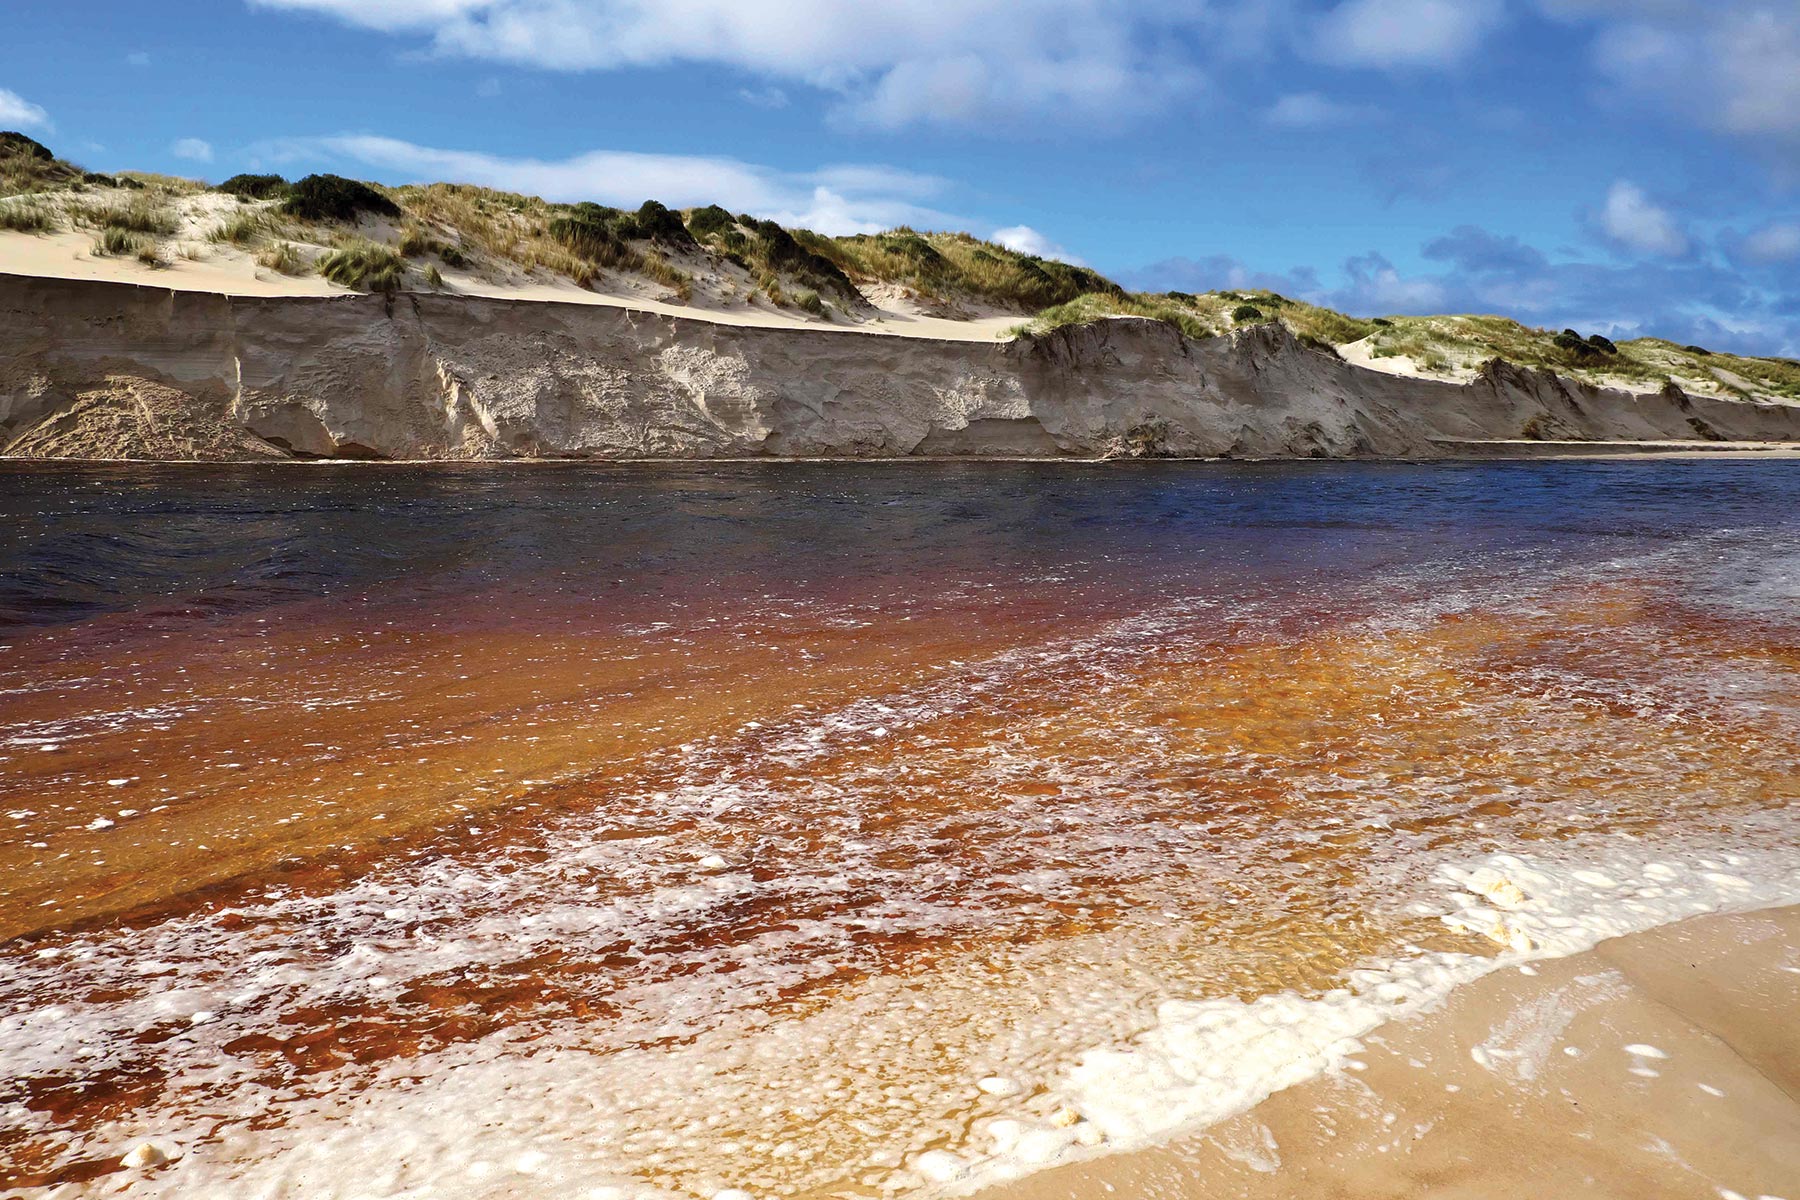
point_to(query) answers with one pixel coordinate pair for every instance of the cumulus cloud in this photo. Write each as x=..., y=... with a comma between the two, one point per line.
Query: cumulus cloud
x=839, y=199
x=20, y=113
x=1632, y=220
x=1405, y=33
x=1026, y=240
x=193, y=149
x=889, y=65
x=1310, y=110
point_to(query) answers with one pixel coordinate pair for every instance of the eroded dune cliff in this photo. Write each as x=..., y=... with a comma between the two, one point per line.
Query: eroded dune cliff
x=96, y=369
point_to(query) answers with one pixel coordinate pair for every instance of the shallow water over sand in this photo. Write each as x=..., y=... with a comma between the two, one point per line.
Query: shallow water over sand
x=828, y=828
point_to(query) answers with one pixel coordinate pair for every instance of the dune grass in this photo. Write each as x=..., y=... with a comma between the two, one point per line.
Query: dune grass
x=364, y=266
x=284, y=257
x=1100, y=306
x=946, y=266
x=125, y=243
x=27, y=216
x=138, y=214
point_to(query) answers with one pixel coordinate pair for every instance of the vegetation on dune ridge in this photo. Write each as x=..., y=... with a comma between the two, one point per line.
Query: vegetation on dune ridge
x=365, y=266
x=363, y=235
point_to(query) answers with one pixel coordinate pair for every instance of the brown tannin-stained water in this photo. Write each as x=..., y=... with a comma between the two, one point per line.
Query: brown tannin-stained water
x=830, y=829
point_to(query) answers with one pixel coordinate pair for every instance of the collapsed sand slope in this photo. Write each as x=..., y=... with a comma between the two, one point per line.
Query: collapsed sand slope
x=431, y=376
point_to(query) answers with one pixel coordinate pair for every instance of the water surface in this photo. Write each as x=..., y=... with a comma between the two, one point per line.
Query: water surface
x=812, y=829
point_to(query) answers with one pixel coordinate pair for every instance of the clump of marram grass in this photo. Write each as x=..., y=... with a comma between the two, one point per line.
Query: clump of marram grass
x=946, y=266
x=1098, y=306
x=244, y=229
x=811, y=303
x=364, y=266
x=26, y=216
x=660, y=269
x=599, y=234
x=140, y=214
x=283, y=257
x=125, y=243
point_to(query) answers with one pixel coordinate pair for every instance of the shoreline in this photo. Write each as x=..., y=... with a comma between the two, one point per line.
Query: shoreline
x=1551, y=452
x=1657, y=1063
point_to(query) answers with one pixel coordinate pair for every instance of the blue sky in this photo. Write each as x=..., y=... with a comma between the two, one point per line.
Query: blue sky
x=1619, y=165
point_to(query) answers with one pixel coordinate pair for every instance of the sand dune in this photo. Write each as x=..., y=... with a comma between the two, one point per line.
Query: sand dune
x=227, y=271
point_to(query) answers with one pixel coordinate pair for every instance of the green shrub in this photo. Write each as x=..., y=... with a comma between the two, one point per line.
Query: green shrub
x=1603, y=344
x=365, y=266
x=1575, y=344
x=705, y=222
x=599, y=234
x=255, y=187
x=658, y=223
x=334, y=198
x=1246, y=312
x=778, y=251
x=1383, y=322
x=13, y=142
x=1702, y=351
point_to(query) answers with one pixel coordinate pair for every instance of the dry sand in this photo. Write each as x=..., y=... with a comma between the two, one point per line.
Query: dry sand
x=1663, y=1064
x=226, y=270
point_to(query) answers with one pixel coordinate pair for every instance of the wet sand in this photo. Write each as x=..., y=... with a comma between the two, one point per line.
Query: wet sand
x=1664, y=1063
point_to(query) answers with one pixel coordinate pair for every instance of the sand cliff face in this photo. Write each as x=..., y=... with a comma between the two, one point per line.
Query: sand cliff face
x=92, y=369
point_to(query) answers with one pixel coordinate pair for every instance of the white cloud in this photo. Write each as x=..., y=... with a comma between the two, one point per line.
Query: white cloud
x=137, y=58
x=892, y=64
x=834, y=199
x=1778, y=241
x=1026, y=240
x=1728, y=65
x=15, y=110
x=193, y=149
x=1405, y=33
x=1310, y=110
x=1633, y=220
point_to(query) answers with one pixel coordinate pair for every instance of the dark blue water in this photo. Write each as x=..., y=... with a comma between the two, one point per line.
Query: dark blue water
x=78, y=541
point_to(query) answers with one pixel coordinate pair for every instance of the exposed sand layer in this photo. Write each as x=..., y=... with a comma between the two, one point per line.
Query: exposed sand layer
x=431, y=376
x=1665, y=1063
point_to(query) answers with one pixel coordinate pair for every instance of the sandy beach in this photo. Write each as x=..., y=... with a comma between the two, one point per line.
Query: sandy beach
x=1664, y=1063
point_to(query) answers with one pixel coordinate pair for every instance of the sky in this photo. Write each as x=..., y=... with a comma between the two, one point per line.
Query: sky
x=1620, y=166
